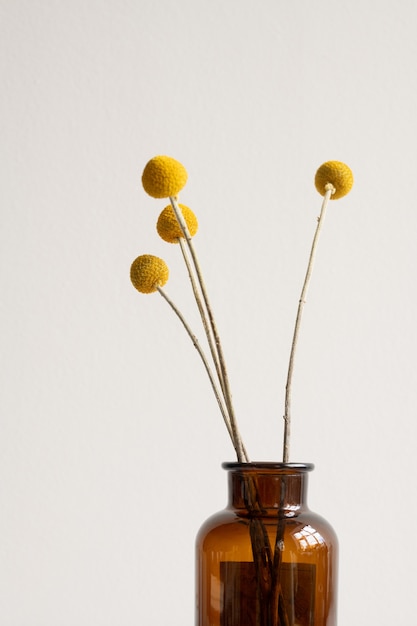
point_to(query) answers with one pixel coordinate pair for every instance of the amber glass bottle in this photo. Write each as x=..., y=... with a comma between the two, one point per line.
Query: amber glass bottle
x=266, y=560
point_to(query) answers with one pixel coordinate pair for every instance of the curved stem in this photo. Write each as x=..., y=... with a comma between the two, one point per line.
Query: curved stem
x=240, y=451
x=205, y=362
x=202, y=311
x=287, y=414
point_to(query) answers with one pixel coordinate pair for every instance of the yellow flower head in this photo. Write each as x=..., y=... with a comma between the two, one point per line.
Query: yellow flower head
x=169, y=229
x=163, y=177
x=148, y=272
x=337, y=174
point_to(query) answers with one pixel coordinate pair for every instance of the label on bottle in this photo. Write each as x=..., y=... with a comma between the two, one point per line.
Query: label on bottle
x=246, y=600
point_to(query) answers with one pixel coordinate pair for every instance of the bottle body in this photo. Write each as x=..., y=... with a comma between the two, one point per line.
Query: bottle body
x=266, y=560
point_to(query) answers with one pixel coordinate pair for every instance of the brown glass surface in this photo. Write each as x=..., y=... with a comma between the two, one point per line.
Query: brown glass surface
x=292, y=581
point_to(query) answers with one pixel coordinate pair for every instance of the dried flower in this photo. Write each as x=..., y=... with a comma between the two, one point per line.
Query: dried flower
x=163, y=177
x=148, y=272
x=168, y=227
x=337, y=174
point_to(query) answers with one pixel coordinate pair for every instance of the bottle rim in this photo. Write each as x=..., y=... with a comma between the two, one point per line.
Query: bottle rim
x=267, y=466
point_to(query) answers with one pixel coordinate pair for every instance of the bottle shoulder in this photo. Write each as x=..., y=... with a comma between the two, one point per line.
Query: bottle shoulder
x=307, y=523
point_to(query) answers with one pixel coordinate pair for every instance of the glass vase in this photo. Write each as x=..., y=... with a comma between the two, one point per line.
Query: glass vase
x=266, y=559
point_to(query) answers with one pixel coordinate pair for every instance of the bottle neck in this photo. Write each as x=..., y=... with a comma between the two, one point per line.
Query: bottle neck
x=268, y=488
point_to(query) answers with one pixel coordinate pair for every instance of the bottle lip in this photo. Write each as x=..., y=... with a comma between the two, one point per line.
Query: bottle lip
x=267, y=465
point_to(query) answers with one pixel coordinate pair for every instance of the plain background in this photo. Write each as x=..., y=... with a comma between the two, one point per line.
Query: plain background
x=111, y=442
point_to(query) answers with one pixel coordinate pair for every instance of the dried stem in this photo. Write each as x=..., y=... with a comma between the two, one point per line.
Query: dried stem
x=267, y=562
x=207, y=367
x=287, y=414
x=223, y=378
x=203, y=313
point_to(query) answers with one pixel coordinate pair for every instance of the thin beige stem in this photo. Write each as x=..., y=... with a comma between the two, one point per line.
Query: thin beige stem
x=203, y=313
x=207, y=329
x=287, y=414
x=225, y=385
x=205, y=362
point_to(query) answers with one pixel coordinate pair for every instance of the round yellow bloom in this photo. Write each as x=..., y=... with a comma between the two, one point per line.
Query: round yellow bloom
x=337, y=174
x=163, y=177
x=169, y=229
x=148, y=272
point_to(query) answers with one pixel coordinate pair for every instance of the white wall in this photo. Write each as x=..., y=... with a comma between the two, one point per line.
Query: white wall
x=110, y=439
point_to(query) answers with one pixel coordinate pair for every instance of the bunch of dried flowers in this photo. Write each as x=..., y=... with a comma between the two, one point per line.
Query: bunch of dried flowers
x=165, y=177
